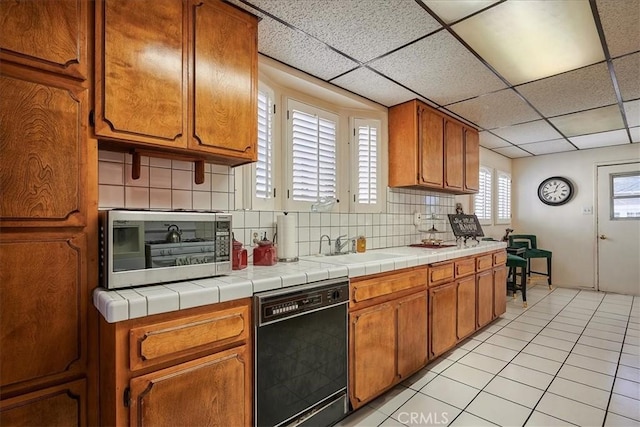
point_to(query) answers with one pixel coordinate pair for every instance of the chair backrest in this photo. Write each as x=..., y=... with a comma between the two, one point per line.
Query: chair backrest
x=528, y=241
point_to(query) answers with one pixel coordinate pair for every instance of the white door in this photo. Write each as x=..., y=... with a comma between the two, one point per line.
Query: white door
x=618, y=227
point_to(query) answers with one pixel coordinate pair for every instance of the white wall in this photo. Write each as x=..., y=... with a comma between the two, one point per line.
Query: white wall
x=564, y=230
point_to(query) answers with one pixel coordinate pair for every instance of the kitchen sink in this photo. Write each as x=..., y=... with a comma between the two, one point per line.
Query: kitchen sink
x=352, y=258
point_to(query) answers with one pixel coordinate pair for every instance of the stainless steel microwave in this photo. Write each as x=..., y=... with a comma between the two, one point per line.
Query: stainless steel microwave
x=148, y=247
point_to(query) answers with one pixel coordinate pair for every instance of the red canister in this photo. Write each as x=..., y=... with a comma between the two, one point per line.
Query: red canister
x=265, y=253
x=239, y=256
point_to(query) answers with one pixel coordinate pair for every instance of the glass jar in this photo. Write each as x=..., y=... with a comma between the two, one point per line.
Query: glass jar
x=361, y=244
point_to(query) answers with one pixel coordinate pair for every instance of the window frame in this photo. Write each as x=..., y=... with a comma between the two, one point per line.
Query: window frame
x=354, y=156
x=613, y=197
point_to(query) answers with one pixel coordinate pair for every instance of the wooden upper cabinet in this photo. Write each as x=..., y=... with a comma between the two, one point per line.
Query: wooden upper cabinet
x=140, y=71
x=471, y=160
x=453, y=156
x=224, y=87
x=431, y=142
x=43, y=164
x=47, y=35
x=427, y=150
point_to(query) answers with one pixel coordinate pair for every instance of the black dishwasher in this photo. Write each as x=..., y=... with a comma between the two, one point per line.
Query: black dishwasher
x=301, y=354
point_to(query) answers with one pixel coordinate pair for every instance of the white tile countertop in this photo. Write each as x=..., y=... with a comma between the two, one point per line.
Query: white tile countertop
x=130, y=303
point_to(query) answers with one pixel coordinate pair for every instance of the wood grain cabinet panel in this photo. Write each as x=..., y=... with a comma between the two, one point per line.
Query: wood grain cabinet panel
x=465, y=267
x=43, y=304
x=471, y=160
x=443, y=313
x=386, y=284
x=140, y=71
x=431, y=146
x=441, y=273
x=453, y=156
x=484, y=262
x=372, y=352
x=43, y=162
x=485, y=298
x=499, y=291
x=466, y=308
x=62, y=405
x=412, y=334
x=48, y=35
x=209, y=391
x=224, y=92
x=500, y=258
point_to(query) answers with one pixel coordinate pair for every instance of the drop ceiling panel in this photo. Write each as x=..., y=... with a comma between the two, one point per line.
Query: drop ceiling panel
x=497, y=109
x=355, y=27
x=620, y=21
x=604, y=139
x=635, y=136
x=591, y=121
x=549, y=147
x=488, y=140
x=533, y=39
x=632, y=111
x=300, y=51
x=582, y=89
x=528, y=132
x=628, y=73
x=439, y=68
x=374, y=86
x=451, y=11
x=512, y=152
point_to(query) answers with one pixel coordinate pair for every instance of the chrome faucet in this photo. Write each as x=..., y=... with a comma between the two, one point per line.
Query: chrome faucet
x=339, y=244
x=328, y=241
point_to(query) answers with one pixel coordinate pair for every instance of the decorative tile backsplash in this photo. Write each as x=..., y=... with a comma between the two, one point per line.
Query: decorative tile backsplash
x=168, y=184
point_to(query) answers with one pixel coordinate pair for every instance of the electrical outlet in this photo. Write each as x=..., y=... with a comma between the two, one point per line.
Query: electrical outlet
x=417, y=218
x=587, y=210
x=258, y=234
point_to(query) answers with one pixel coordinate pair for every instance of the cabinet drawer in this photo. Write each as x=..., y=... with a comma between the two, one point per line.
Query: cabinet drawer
x=386, y=284
x=465, y=267
x=484, y=262
x=500, y=258
x=160, y=342
x=440, y=273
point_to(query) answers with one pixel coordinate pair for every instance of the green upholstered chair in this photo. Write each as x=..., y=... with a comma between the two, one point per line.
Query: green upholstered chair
x=514, y=263
x=530, y=243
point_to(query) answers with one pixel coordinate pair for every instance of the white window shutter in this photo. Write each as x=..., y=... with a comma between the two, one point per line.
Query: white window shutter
x=264, y=165
x=367, y=157
x=482, y=199
x=504, y=197
x=313, y=154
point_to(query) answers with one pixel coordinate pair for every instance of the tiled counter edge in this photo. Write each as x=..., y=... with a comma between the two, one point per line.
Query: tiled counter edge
x=130, y=303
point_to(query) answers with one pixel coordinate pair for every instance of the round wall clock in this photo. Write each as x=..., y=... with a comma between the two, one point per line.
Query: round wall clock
x=555, y=191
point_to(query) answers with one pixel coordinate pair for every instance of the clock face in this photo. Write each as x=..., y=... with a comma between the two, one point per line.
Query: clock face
x=555, y=191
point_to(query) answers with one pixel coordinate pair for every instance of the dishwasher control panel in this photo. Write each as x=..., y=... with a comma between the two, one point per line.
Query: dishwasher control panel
x=300, y=299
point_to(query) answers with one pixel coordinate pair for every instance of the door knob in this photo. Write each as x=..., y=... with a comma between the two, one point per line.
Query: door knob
x=602, y=237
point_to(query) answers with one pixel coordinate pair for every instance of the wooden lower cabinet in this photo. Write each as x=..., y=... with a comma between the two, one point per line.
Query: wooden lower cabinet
x=62, y=405
x=372, y=336
x=499, y=291
x=442, y=311
x=207, y=391
x=466, y=296
x=485, y=298
x=192, y=367
x=412, y=334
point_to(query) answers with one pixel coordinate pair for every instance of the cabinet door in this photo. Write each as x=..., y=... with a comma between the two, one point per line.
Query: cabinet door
x=485, y=297
x=431, y=142
x=471, y=160
x=224, y=80
x=412, y=334
x=62, y=405
x=372, y=352
x=466, y=306
x=43, y=165
x=499, y=291
x=47, y=35
x=442, y=310
x=140, y=71
x=44, y=303
x=453, y=156
x=210, y=391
